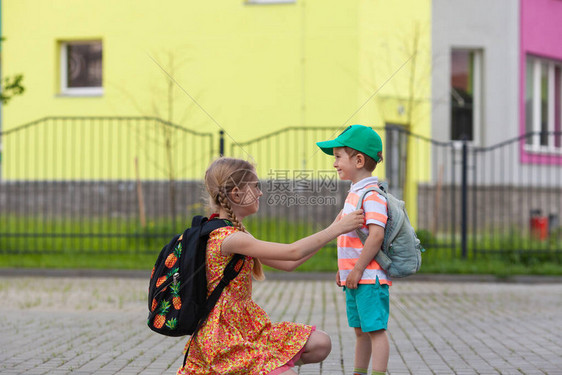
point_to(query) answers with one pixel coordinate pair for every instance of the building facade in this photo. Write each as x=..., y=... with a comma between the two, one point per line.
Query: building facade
x=248, y=68
x=134, y=74
x=496, y=77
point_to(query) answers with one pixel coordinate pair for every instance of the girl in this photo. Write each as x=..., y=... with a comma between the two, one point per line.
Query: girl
x=238, y=336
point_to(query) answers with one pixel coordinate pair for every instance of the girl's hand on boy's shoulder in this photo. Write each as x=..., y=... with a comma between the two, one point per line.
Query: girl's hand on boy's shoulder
x=351, y=221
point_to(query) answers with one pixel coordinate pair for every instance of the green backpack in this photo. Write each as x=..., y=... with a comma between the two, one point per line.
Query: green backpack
x=400, y=255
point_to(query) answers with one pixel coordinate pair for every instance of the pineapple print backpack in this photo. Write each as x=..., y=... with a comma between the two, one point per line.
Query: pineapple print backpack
x=177, y=292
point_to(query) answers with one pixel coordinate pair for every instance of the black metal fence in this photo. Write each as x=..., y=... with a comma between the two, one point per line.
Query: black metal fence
x=125, y=184
x=504, y=198
x=99, y=184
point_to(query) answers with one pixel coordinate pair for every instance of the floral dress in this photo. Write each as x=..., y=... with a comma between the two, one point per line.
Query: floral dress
x=238, y=336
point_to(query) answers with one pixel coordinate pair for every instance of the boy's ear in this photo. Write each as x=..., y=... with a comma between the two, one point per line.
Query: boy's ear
x=359, y=160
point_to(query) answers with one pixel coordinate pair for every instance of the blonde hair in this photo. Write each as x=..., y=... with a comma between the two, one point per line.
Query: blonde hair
x=223, y=175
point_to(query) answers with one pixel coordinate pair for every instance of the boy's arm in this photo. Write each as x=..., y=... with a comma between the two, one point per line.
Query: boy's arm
x=372, y=246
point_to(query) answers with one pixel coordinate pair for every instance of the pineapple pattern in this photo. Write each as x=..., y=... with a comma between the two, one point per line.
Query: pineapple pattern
x=160, y=319
x=162, y=279
x=162, y=308
x=176, y=300
x=171, y=324
x=173, y=257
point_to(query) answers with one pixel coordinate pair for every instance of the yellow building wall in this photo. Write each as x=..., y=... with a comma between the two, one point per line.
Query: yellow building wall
x=251, y=69
x=247, y=69
x=395, y=70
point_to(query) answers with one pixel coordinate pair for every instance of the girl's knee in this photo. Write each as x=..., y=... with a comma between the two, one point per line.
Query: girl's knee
x=324, y=344
x=320, y=344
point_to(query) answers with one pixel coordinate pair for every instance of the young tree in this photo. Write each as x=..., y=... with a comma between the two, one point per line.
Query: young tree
x=10, y=86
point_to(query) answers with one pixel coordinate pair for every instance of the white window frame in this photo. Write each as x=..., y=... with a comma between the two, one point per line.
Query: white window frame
x=477, y=93
x=74, y=91
x=535, y=146
x=477, y=85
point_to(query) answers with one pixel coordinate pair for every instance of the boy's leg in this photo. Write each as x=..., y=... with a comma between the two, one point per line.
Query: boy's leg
x=373, y=306
x=362, y=351
x=362, y=340
x=380, y=350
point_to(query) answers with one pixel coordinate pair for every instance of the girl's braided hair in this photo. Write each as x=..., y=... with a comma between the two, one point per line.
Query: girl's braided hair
x=223, y=175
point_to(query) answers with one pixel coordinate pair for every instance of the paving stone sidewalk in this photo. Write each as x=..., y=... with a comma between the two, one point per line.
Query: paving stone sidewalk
x=58, y=325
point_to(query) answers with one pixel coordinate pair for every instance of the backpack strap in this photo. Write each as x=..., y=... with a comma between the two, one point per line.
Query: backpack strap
x=362, y=236
x=382, y=259
x=230, y=272
x=213, y=224
x=205, y=228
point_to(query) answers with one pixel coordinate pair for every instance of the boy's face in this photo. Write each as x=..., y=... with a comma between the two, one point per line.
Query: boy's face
x=345, y=165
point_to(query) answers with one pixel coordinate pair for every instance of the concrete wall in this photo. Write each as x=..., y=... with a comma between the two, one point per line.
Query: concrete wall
x=491, y=209
x=119, y=199
x=499, y=206
x=490, y=26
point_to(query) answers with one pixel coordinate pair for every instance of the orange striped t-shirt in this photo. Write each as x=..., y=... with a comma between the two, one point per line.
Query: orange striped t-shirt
x=349, y=244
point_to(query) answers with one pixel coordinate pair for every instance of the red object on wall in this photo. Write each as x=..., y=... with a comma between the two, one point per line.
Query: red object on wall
x=539, y=227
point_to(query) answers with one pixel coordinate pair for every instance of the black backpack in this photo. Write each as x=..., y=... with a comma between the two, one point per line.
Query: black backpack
x=177, y=292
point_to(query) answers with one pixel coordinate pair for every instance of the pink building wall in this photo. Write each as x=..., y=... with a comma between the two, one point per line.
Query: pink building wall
x=540, y=35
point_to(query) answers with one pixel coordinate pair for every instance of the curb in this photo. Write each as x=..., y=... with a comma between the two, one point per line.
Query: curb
x=287, y=276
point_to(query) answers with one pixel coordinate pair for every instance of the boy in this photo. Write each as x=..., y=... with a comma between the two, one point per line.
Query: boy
x=357, y=151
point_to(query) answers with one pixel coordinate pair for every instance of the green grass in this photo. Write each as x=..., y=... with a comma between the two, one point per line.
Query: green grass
x=140, y=249
x=499, y=255
x=501, y=265
x=87, y=234
x=78, y=261
x=324, y=261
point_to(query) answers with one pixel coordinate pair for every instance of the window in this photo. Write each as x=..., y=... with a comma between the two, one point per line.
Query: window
x=395, y=157
x=465, y=94
x=81, y=68
x=543, y=105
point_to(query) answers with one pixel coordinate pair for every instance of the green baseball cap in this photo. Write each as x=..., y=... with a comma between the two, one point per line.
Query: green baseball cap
x=358, y=137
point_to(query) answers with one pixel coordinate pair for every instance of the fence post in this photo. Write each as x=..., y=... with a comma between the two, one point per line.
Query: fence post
x=221, y=143
x=464, y=198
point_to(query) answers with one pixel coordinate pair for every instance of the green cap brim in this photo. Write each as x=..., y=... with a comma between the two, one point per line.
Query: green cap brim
x=328, y=146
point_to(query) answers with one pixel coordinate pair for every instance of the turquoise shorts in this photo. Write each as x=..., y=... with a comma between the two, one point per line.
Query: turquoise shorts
x=368, y=306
